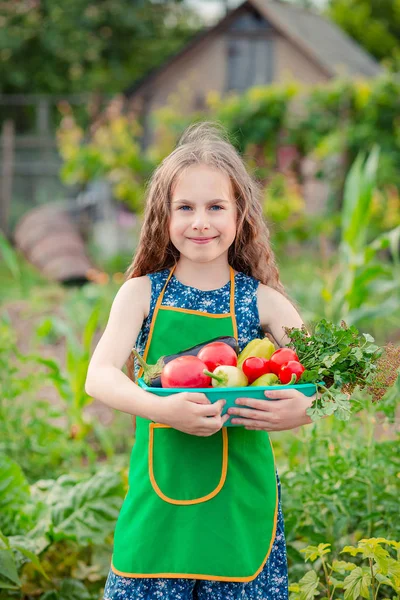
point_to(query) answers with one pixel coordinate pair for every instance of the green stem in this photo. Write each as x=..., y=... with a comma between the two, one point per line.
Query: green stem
x=372, y=578
x=370, y=459
x=328, y=593
x=140, y=360
x=219, y=379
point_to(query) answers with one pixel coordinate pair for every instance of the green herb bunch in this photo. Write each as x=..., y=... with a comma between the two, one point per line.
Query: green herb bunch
x=337, y=359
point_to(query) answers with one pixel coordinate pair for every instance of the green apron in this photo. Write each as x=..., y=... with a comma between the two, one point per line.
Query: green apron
x=196, y=507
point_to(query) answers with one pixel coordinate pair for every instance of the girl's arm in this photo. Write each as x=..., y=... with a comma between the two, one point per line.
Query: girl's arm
x=276, y=312
x=190, y=412
x=105, y=380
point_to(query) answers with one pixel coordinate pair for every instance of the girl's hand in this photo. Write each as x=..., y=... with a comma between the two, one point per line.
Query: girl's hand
x=288, y=413
x=193, y=413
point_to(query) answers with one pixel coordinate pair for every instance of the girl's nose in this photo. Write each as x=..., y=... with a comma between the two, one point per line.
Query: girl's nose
x=200, y=222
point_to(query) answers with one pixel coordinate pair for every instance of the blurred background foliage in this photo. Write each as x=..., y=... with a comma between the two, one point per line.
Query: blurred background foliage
x=50, y=47
x=374, y=24
x=332, y=123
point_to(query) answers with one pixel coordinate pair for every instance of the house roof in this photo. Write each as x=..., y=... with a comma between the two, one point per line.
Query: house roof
x=323, y=39
x=324, y=42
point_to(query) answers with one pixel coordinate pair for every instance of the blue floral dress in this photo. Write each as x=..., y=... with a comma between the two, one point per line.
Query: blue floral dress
x=272, y=582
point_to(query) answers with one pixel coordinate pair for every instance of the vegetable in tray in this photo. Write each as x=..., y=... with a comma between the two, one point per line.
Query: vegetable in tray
x=152, y=373
x=333, y=359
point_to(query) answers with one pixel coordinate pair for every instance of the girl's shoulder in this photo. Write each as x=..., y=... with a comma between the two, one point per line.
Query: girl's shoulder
x=270, y=299
x=137, y=290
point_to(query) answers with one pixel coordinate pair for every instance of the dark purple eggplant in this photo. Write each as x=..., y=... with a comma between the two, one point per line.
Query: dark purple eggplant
x=152, y=373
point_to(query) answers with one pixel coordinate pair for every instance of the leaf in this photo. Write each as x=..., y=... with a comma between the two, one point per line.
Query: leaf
x=314, y=552
x=340, y=566
x=357, y=584
x=343, y=410
x=320, y=409
x=87, y=511
x=390, y=401
x=359, y=186
x=330, y=360
x=71, y=589
x=372, y=548
x=52, y=595
x=90, y=328
x=14, y=488
x=352, y=550
x=32, y=557
x=309, y=585
x=368, y=337
x=393, y=239
x=8, y=569
x=9, y=257
x=336, y=582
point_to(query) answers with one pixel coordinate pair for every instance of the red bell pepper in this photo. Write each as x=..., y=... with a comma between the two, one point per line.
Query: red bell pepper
x=291, y=372
x=281, y=357
x=255, y=366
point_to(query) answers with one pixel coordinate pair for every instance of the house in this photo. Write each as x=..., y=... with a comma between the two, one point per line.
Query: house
x=258, y=43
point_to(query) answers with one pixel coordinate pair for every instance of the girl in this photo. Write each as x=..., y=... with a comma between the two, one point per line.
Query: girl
x=202, y=518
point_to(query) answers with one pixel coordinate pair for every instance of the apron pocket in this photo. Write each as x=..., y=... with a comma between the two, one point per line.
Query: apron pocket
x=186, y=469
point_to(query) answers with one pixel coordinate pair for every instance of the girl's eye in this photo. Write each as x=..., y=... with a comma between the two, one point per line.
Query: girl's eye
x=183, y=207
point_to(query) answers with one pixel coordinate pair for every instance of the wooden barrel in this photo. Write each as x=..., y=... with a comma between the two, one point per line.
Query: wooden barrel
x=49, y=240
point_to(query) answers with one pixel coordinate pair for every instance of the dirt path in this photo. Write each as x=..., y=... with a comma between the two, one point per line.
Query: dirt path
x=25, y=322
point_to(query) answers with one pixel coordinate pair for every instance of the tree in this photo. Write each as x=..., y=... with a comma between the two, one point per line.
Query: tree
x=48, y=46
x=375, y=24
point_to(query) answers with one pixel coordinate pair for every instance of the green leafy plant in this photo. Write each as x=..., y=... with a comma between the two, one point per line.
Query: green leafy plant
x=74, y=511
x=339, y=479
x=362, y=286
x=30, y=427
x=341, y=357
x=70, y=383
x=377, y=576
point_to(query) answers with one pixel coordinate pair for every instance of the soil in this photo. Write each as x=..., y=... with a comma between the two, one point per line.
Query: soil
x=25, y=321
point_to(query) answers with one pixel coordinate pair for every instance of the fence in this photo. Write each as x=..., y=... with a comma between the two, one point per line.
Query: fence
x=29, y=160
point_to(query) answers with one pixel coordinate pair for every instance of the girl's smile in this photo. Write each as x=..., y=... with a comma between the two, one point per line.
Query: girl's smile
x=203, y=240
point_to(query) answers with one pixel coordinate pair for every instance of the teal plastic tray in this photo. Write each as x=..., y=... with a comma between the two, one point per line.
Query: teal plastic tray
x=230, y=394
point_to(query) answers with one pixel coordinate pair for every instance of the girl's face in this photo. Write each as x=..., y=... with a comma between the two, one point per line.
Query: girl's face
x=203, y=217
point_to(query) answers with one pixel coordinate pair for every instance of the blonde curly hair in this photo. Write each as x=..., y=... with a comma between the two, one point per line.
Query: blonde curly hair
x=207, y=144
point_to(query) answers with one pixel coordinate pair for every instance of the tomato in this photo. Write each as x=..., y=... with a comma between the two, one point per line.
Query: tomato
x=255, y=366
x=293, y=367
x=281, y=357
x=185, y=372
x=217, y=354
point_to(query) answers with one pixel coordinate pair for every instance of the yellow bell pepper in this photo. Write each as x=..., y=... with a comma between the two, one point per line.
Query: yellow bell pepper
x=262, y=348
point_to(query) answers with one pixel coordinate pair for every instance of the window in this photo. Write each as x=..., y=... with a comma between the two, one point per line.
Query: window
x=250, y=52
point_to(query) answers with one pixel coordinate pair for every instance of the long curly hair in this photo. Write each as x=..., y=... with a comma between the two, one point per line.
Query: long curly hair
x=206, y=143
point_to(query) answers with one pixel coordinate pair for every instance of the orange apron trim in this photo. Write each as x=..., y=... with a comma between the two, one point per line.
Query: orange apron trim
x=203, y=576
x=209, y=577
x=212, y=494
